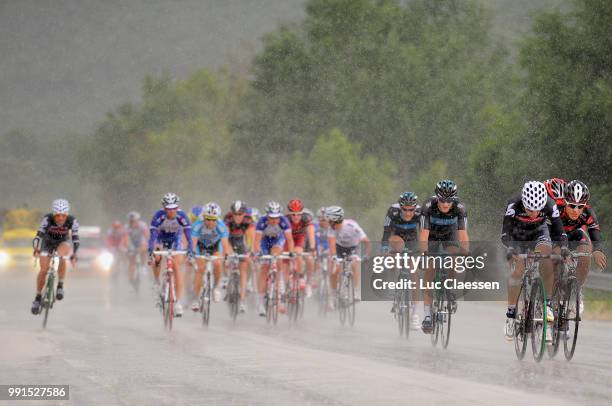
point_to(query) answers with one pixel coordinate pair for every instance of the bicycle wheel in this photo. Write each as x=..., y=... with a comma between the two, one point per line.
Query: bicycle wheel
x=168, y=305
x=350, y=310
x=399, y=313
x=342, y=299
x=47, y=301
x=572, y=318
x=435, y=315
x=205, y=300
x=323, y=296
x=292, y=293
x=233, y=296
x=445, y=323
x=521, y=322
x=558, y=304
x=538, y=320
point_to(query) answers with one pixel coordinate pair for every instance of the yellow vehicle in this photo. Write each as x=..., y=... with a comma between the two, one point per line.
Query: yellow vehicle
x=19, y=228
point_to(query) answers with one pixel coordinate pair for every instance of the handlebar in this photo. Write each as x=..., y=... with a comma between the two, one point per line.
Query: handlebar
x=538, y=256
x=167, y=253
x=350, y=258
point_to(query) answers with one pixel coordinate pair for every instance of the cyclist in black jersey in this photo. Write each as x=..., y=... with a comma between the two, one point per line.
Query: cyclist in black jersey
x=402, y=224
x=57, y=229
x=531, y=221
x=443, y=230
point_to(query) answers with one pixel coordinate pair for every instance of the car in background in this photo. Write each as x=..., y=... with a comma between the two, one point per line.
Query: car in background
x=16, y=249
x=93, y=255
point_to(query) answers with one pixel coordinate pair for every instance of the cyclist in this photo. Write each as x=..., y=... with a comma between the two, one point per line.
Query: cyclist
x=137, y=235
x=345, y=239
x=56, y=230
x=165, y=233
x=210, y=237
x=576, y=215
x=443, y=230
x=303, y=232
x=526, y=227
x=401, y=231
x=271, y=233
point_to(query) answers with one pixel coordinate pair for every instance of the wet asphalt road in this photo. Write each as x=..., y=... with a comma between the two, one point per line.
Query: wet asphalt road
x=110, y=346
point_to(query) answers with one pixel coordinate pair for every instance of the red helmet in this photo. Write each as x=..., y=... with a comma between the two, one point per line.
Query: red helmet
x=295, y=206
x=556, y=190
x=117, y=225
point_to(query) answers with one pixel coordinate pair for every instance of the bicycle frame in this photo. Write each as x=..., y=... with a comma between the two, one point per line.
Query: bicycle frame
x=168, y=291
x=49, y=287
x=207, y=286
x=345, y=293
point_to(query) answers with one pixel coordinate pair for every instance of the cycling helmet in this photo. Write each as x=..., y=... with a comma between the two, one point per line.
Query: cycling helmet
x=133, y=216
x=576, y=192
x=273, y=210
x=534, y=195
x=334, y=214
x=117, y=225
x=60, y=206
x=408, y=199
x=211, y=210
x=238, y=207
x=295, y=206
x=556, y=189
x=446, y=189
x=170, y=201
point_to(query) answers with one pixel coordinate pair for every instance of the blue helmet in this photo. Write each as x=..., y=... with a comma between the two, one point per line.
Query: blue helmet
x=446, y=189
x=408, y=199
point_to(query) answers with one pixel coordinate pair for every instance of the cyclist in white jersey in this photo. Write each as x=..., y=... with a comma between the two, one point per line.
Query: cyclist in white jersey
x=344, y=239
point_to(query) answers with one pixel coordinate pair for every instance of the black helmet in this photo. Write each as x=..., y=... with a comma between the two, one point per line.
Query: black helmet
x=577, y=192
x=408, y=199
x=238, y=207
x=446, y=189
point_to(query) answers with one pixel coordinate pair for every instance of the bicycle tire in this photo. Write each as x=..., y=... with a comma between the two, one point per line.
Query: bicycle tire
x=205, y=300
x=407, y=316
x=445, y=324
x=435, y=325
x=323, y=296
x=399, y=316
x=351, y=300
x=233, y=296
x=558, y=304
x=521, y=321
x=573, y=299
x=342, y=300
x=538, y=320
x=49, y=297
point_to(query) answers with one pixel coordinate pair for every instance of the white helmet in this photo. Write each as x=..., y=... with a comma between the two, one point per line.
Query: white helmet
x=212, y=209
x=334, y=213
x=60, y=206
x=273, y=209
x=534, y=195
x=170, y=201
x=133, y=216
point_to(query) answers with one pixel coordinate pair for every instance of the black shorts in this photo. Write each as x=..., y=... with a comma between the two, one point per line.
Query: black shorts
x=51, y=245
x=346, y=251
x=441, y=247
x=529, y=241
x=239, y=246
x=577, y=238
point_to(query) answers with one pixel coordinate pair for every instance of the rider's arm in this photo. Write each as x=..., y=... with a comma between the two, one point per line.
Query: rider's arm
x=367, y=244
x=556, y=224
x=289, y=237
x=332, y=244
x=594, y=230
x=227, y=247
x=310, y=230
x=424, y=234
x=186, y=224
x=257, y=242
x=249, y=235
x=508, y=225
x=74, y=233
x=462, y=226
x=386, y=231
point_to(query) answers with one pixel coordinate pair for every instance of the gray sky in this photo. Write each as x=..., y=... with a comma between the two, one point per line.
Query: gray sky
x=65, y=63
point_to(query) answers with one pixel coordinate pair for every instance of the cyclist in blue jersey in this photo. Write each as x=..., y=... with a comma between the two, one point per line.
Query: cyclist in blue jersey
x=165, y=233
x=271, y=232
x=210, y=237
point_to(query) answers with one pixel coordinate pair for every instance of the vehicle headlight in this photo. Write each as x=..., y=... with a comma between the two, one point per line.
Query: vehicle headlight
x=4, y=258
x=105, y=260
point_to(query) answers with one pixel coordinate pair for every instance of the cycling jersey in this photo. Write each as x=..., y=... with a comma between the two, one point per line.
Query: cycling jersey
x=167, y=231
x=136, y=235
x=349, y=235
x=237, y=232
x=518, y=226
x=298, y=230
x=587, y=218
x=272, y=235
x=321, y=235
x=115, y=238
x=395, y=224
x=53, y=234
x=209, y=239
x=443, y=226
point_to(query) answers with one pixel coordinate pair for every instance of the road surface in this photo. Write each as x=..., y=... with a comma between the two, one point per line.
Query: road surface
x=109, y=345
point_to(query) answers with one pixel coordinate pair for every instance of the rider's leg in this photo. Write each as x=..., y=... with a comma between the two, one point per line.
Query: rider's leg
x=132, y=267
x=199, y=272
x=63, y=250
x=178, y=275
x=42, y=274
x=243, y=266
x=546, y=268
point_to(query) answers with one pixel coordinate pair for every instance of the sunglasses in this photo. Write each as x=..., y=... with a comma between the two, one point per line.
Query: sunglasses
x=210, y=218
x=408, y=209
x=575, y=206
x=295, y=214
x=444, y=200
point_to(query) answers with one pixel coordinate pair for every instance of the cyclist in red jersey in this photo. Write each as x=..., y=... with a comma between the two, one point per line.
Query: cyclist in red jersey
x=303, y=232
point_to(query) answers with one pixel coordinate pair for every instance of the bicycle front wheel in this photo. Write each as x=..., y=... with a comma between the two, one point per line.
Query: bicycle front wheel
x=572, y=318
x=521, y=322
x=351, y=300
x=233, y=296
x=538, y=320
x=205, y=300
x=558, y=304
x=445, y=323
